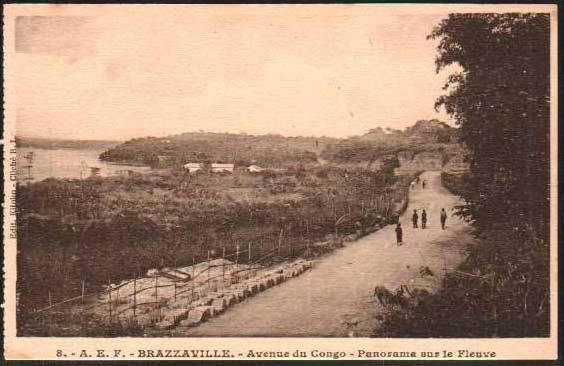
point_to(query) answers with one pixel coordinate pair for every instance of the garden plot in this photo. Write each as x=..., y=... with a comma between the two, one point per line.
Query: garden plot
x=187, y=296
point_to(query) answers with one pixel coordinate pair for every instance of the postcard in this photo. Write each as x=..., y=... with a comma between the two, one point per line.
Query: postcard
x=277, y=181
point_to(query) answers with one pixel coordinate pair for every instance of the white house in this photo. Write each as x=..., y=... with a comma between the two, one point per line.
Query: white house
x=218, y=168
x=254, y=169
x=193, y=167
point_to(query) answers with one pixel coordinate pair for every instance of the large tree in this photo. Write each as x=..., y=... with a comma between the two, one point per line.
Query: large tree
x=500, y=97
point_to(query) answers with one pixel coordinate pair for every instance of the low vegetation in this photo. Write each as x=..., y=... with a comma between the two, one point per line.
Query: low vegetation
x=500, y=290
x=103, y=230
x=455, y=183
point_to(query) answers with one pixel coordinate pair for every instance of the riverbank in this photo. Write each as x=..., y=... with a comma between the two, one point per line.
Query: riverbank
x=67, y=163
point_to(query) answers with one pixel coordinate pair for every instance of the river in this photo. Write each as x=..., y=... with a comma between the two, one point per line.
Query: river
x=66, y=163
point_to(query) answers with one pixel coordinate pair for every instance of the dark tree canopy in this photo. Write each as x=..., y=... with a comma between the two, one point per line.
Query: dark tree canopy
x=501, y=100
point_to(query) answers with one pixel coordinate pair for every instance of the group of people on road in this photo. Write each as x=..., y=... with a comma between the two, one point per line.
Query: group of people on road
x=415, y=220
x=417, y=181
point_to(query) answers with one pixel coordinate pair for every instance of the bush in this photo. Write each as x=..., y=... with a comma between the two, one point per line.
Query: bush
x=456, y=183
x=496, y=292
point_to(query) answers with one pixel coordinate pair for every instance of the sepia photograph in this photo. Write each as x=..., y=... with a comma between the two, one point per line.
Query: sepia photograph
x=288, y=174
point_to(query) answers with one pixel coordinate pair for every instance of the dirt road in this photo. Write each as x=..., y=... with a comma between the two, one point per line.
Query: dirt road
x=335, y=298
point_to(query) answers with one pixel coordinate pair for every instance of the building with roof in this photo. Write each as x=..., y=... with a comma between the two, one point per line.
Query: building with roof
x=219, y=168
x=254, y=169
x=193, y=167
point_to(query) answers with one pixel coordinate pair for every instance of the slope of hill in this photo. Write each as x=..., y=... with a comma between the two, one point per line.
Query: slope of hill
x=276, y=150
x=423, y=136
x=240, y=149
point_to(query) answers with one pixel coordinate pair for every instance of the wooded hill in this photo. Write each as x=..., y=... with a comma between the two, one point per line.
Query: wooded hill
x=425, y=135
x=240, y=149
x=277, y=150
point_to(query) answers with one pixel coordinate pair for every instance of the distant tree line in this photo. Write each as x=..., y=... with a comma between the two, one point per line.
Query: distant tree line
x=45, y=143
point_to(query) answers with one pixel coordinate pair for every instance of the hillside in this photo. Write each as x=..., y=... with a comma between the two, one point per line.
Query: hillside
x=278, y=151
x=241, y=149
x=423, y=136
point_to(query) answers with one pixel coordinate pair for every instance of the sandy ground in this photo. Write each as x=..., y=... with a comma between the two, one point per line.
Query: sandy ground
x=335, y=298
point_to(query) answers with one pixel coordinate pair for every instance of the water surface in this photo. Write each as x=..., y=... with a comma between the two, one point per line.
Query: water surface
x=66, y=163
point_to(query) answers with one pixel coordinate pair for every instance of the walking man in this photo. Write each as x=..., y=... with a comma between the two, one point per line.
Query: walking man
x=443, y=218
x=424, y=184
x=423, y=219
x=415, y=218
x=399, y=233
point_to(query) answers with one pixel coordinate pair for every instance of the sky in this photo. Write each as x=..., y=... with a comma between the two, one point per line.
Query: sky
x=119, y=72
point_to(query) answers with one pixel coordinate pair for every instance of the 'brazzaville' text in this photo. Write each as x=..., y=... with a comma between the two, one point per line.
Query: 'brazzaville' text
x=183, y=353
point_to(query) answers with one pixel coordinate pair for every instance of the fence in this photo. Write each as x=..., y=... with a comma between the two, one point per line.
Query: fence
x=192, y=287
x=198, y=284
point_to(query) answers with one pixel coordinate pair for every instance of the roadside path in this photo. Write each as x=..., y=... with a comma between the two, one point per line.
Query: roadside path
x=335, y=298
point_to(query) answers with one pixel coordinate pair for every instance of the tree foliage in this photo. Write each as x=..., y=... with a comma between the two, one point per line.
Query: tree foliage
x=500, y=99
x=424, y=136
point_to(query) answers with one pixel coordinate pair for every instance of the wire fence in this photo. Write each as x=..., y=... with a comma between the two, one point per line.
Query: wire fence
x=119, y=303
x=191, y=283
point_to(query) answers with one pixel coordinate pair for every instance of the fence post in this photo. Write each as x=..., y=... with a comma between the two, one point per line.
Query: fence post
x=82, y=292
x=250, y=259
x=307, y=234
x=280, y=241
x=193, y=279
x=117, y=301
x=223, y=267
x=110, y=300
x=134, y=295
x=156, y=293
x=49, y=320
x=208, y=279
x=289, y=236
